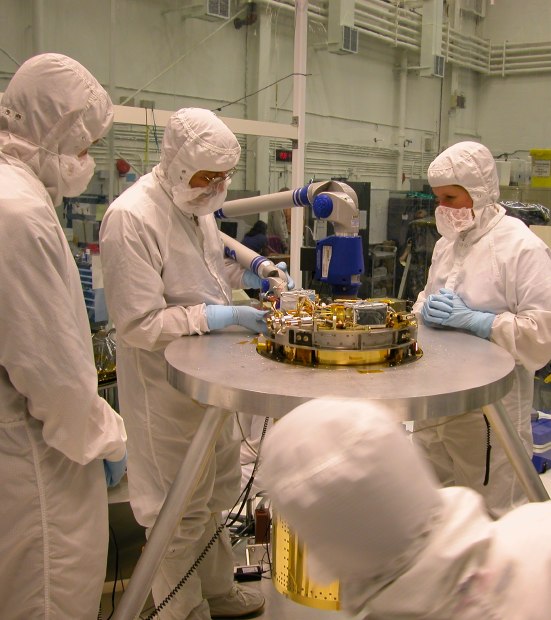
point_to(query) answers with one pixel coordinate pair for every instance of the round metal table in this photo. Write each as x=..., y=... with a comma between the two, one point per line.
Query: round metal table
x=457, y=373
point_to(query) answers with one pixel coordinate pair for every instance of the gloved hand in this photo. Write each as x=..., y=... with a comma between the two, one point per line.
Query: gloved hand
x=282, y=268
x=114, y=470
x=475, y=321
x=437, y=307
x=219, y=317
x=251, y=280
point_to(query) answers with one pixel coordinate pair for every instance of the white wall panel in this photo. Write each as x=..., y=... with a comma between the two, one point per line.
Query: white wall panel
x=351, y=99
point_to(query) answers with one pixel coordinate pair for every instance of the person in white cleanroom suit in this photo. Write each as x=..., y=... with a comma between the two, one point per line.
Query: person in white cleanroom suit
x=166, y=277
x=489, y=276
x=59, y=441
x=366, y=504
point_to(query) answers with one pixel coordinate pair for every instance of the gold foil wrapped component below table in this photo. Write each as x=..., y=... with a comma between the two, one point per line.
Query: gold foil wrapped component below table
x=290, y=575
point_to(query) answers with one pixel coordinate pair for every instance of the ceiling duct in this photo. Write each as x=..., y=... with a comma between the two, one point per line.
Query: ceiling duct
x=432, y=60
x=342, y=36
x=211, y=10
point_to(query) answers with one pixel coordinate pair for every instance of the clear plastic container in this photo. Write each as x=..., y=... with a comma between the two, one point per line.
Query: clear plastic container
x=105, y=354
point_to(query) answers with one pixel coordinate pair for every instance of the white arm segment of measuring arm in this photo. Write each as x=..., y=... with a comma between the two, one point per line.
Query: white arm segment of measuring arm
x=339, y=258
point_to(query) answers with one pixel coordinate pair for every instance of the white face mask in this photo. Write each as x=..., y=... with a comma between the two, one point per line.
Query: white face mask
x=76, y=173
x=200, y=200
x=450, y=222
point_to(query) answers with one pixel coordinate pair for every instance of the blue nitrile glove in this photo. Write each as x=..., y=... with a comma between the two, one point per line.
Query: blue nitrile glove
x=219, y=317
x=114, y=470
x=437, y=307
x=290, y=282
x=475, y=321
x=251, y=280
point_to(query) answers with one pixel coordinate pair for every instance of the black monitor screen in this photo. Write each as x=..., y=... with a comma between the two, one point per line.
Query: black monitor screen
x=229, y=228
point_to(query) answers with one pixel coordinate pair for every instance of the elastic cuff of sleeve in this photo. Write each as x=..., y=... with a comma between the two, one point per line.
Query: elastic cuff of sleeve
x=485, y=327
x=251, y=280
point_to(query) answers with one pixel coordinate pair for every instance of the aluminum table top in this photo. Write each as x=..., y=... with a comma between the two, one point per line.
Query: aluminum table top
x=457, y=373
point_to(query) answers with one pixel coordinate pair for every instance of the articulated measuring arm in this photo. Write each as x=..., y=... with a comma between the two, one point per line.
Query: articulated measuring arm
x=276, y=281
x=339, y=258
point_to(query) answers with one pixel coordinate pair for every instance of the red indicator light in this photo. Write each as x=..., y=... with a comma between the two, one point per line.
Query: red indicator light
x=284, y=155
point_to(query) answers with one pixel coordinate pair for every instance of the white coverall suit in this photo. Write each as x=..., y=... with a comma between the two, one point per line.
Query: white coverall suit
x=498, y=266
x=161, y=265
x=401, y=548
x=54, y=428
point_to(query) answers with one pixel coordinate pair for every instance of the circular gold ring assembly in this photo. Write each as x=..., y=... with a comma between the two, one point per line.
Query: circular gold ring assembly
x=365, y=333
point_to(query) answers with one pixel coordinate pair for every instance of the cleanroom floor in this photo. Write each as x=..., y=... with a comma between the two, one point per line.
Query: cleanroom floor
x=129, y=539
x=277, y=606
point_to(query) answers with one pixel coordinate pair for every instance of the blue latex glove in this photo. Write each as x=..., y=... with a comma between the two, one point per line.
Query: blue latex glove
x=219, y=317
x=290, y=282
x=251, y=280
x=463, y=317
x=437, y=307
x=114, y=470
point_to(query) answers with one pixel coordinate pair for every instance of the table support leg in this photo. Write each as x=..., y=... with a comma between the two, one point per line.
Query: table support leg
x=175, y=505
x=515, y=450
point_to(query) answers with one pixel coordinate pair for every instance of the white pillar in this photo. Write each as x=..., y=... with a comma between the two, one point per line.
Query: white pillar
x=299, y=113
x=259, y=46
x=402, y=107
x=111, y=87
x=38, y=27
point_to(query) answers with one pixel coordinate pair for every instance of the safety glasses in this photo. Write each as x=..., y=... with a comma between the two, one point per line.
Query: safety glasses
x=219, y=177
